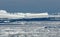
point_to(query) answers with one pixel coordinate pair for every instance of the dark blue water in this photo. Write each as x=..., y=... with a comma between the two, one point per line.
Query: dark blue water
x=50, y=6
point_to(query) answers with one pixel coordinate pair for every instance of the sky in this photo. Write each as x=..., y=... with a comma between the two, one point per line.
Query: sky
x=30, y=5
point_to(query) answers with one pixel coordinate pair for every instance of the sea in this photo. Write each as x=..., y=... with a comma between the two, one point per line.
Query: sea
x=32, y=28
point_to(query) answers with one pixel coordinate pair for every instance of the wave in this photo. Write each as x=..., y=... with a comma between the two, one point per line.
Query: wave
x=10, y=17
x=5, y=14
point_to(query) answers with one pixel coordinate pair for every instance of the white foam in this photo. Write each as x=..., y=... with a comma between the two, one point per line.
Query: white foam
x=5, y=14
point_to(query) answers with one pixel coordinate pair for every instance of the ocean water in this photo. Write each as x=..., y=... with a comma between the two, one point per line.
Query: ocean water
x=50, y=6
x=31, y=29
x=33, y=10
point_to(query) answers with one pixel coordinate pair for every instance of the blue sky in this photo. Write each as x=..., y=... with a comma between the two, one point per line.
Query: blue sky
x=30, y=5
